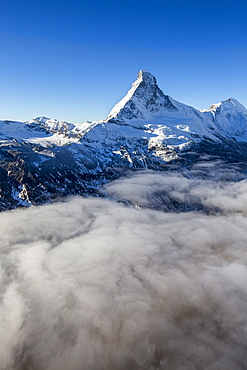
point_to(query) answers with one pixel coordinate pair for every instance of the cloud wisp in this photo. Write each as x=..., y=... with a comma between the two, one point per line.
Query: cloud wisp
x=96, y=284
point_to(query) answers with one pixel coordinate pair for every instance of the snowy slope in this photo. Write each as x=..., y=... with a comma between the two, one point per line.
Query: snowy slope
x=145, y=113
x=45, y=158
x=146, y=105
x=230, y=118
x=43, y=131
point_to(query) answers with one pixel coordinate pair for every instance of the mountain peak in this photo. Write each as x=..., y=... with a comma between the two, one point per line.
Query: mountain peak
x=147, y=77
x=228, y=104
x=144, y=98
x=236, y=104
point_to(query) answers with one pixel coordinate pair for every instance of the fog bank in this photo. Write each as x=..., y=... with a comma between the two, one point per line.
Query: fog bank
x=174, y=191
x=96, y=284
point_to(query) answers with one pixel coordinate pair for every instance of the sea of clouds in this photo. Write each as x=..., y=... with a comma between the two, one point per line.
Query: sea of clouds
x=91, y=284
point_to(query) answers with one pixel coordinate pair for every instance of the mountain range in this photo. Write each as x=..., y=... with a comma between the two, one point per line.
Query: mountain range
x=45, y=159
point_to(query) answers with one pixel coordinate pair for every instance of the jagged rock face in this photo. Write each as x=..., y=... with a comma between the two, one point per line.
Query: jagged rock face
x=144, y=97
x=44, y=159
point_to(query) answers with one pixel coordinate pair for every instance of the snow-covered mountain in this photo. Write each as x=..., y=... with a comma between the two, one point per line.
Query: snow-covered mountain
x=45, y=158
x=167, y=122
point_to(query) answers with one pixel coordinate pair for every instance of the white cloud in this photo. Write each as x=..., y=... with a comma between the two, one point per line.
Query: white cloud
x=96, y=284
x=156, y=189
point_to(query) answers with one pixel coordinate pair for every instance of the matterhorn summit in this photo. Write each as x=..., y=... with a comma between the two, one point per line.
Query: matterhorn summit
x=143, y=98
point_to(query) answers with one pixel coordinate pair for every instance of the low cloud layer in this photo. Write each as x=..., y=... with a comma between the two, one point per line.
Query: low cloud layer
x=174, y=191
x=97, y=284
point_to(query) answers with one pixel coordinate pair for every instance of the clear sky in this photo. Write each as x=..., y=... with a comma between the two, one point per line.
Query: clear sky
x=73, y=60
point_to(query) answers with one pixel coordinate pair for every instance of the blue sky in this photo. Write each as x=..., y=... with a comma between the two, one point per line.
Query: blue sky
x=73, y=60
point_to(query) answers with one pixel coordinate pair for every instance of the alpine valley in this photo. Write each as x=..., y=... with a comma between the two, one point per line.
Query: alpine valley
x=45, y=159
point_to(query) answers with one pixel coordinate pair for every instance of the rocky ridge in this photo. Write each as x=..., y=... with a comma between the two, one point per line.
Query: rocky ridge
x=44, y=159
